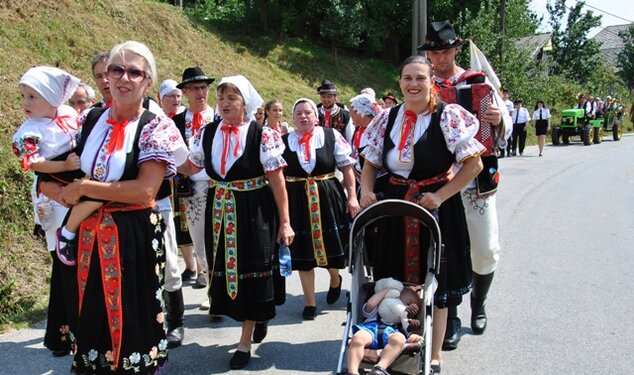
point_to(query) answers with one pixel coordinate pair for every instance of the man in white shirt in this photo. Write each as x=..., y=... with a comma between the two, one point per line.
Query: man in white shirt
x=509, y=107
x=521, y=118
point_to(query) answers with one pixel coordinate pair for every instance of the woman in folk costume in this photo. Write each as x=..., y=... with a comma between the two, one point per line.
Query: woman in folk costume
x=417, y=144
x=44, y=143
x=245, y=216
x=318, y=205
x=127, y=152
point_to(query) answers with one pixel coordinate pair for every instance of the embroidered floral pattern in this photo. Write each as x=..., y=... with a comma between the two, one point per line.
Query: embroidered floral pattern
x=223, y=211
x=159, y=140
x=271, y=150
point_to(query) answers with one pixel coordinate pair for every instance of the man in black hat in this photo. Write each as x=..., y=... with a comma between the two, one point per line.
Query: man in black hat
x=331, y=113
x=192, y=191
x=390, y=100
x=441, y=46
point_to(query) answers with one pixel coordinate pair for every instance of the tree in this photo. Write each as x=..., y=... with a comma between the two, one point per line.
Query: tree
x=574, y=54
x=343, y=24
x=625, y=62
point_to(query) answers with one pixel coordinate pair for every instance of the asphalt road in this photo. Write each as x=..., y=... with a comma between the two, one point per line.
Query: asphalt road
x=561, y=302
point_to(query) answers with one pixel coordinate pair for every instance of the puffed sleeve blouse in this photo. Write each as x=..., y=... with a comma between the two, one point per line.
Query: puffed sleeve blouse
x=160, y=140
x=342, y=149
x=458, y=126
x=271, y=149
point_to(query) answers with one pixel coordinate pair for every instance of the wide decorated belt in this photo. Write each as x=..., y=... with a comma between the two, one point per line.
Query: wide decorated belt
x=312, y=195
x=100, y=226
x=412, y=226
x=224, y=210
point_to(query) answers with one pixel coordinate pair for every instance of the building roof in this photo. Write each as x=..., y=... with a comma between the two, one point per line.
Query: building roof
x=535, y=43
x=610, y=43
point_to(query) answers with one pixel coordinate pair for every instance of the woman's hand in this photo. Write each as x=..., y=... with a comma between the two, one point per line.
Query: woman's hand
x=285, y=233
x=429, y=201
x=352, y=206
x=53, y=190
x=72, y=162
x=367, y=199
x=72, y=192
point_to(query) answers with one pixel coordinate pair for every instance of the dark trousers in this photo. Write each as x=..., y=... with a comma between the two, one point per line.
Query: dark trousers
x=518, y=132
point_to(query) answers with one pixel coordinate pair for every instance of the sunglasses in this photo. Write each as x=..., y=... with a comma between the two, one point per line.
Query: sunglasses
x=117, y=71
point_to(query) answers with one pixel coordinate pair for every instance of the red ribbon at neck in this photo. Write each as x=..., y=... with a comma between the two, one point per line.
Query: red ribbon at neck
x=228, y=130
x=64, y=124
x=405, y=133
x=117, y=136
x=108, y=104
x=305, y=141
x=171, y=114
x=356, y=140
x=327, y=119
x=197, y=122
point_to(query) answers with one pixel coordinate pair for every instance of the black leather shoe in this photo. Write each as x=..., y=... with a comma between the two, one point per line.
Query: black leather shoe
x=334, y=293
x=175, y=337
x=260, y=331
x=452, y=334
x=309, y=312
x=435, y=369
x=239, y=360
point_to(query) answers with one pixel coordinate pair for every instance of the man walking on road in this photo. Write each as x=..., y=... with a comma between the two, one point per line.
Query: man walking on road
x=442, y=46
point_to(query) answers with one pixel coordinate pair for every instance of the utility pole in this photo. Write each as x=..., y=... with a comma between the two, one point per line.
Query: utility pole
x=502, y=29
x=419, y=24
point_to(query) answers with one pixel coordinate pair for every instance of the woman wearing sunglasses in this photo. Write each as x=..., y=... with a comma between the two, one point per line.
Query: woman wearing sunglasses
x=127, y=152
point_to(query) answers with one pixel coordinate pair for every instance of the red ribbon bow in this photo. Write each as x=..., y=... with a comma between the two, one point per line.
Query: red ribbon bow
x=411, y=120
x=356, y=140
x=228, y=130
x=197, y=122
x=117, y=136
x=327, y=119
x=305, y=141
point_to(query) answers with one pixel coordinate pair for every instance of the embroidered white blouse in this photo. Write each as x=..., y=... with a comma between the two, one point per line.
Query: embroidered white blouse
x=458, y=126
x=271, y=149
x=342, y=149
x=40, y=139
x=159, y=140
x=208, y=116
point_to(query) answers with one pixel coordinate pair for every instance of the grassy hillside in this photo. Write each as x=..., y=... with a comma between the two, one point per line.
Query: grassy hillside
x=66, y=33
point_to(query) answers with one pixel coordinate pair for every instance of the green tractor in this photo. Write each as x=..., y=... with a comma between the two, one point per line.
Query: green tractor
x=574, y=123
x=613, y=122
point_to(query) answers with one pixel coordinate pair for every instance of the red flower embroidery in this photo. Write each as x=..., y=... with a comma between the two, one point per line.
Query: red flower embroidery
x=229, y=229
x=314, y=207
x=316, y=234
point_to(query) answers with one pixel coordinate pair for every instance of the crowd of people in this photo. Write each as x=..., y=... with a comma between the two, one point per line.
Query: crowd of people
x=125, y=182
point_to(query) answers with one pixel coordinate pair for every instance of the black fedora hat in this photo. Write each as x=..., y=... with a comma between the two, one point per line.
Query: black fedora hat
x=194, y=74
x=440, y=35
x=327, y=87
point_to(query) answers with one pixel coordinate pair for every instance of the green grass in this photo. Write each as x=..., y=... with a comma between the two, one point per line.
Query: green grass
x=66, y=33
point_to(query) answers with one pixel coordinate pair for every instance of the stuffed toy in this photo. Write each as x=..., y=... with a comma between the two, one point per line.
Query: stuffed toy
x=395, y=307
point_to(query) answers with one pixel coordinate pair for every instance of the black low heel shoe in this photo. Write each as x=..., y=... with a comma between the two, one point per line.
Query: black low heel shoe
x=260, y=331
x=334, y=293
x=239, y=360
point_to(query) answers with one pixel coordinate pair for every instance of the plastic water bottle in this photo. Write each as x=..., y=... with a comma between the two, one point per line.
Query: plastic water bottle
x=284, y=254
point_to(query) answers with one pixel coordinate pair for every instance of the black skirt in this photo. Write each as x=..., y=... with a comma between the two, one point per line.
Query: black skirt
x=61, y=317
x=541, y=127
x=334, y=222
x=143, y=344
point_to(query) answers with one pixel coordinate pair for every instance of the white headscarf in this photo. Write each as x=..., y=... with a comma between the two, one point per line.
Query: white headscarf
x=364, y=105
x=252, y=100
x=312, y=104
x=167, y=86
x=55, y=85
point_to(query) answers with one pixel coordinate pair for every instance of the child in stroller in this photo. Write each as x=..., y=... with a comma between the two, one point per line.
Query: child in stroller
x=389, y=325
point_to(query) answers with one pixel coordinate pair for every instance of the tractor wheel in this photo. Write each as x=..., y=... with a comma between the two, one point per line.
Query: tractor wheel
x=617, y=132
x=585, y=135
x=565, y=139
x=555, y=136
x=598, y=135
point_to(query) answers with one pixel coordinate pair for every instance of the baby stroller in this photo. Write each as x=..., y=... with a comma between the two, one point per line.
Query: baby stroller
x=420, y=362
